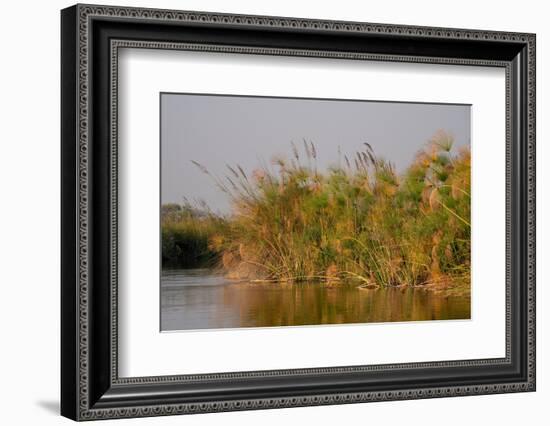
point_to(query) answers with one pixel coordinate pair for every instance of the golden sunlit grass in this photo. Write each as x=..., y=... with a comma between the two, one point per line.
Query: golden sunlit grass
x=359, y=220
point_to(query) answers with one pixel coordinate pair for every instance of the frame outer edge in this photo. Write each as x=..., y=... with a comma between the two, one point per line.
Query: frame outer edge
x=531, y=200
x=69, y=190
x=81, y=318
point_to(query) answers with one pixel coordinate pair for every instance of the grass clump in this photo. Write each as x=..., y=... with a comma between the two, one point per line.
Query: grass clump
x=358, y=220
x=185, y=235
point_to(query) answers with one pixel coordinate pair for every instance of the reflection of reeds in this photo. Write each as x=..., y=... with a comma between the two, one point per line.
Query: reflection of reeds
x=359, y=220
x=313, y=303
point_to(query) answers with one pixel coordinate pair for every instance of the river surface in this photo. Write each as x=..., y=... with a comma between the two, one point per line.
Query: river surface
x=193, y=299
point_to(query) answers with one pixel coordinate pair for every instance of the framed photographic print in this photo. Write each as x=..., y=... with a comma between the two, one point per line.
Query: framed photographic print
x=263, y=212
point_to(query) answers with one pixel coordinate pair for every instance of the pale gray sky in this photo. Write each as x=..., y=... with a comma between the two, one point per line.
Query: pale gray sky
x=217, y=130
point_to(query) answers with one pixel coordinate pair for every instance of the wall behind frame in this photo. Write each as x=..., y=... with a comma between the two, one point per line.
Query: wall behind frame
x=30, y=225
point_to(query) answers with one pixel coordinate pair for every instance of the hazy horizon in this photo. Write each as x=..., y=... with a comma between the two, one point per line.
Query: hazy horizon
x=216, y=130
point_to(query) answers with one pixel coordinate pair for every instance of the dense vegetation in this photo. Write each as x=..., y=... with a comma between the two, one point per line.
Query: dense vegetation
x=186, y=232
x=357, y=220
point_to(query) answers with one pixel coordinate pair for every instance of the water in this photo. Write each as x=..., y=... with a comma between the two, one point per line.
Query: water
x=194, y=299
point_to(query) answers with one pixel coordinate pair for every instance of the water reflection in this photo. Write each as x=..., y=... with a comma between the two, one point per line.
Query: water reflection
x=196, y=299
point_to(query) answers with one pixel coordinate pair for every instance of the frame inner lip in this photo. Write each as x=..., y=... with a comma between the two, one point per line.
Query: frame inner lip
x=115, y=45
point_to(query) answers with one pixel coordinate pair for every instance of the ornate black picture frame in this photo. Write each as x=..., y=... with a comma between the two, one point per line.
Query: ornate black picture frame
x=90, y=38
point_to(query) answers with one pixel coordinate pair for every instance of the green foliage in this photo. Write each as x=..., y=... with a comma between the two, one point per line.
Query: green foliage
x=358, y=220
x=185, y=234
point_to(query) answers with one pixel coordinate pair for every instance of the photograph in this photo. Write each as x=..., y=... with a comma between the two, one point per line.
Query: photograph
x=280, y=211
